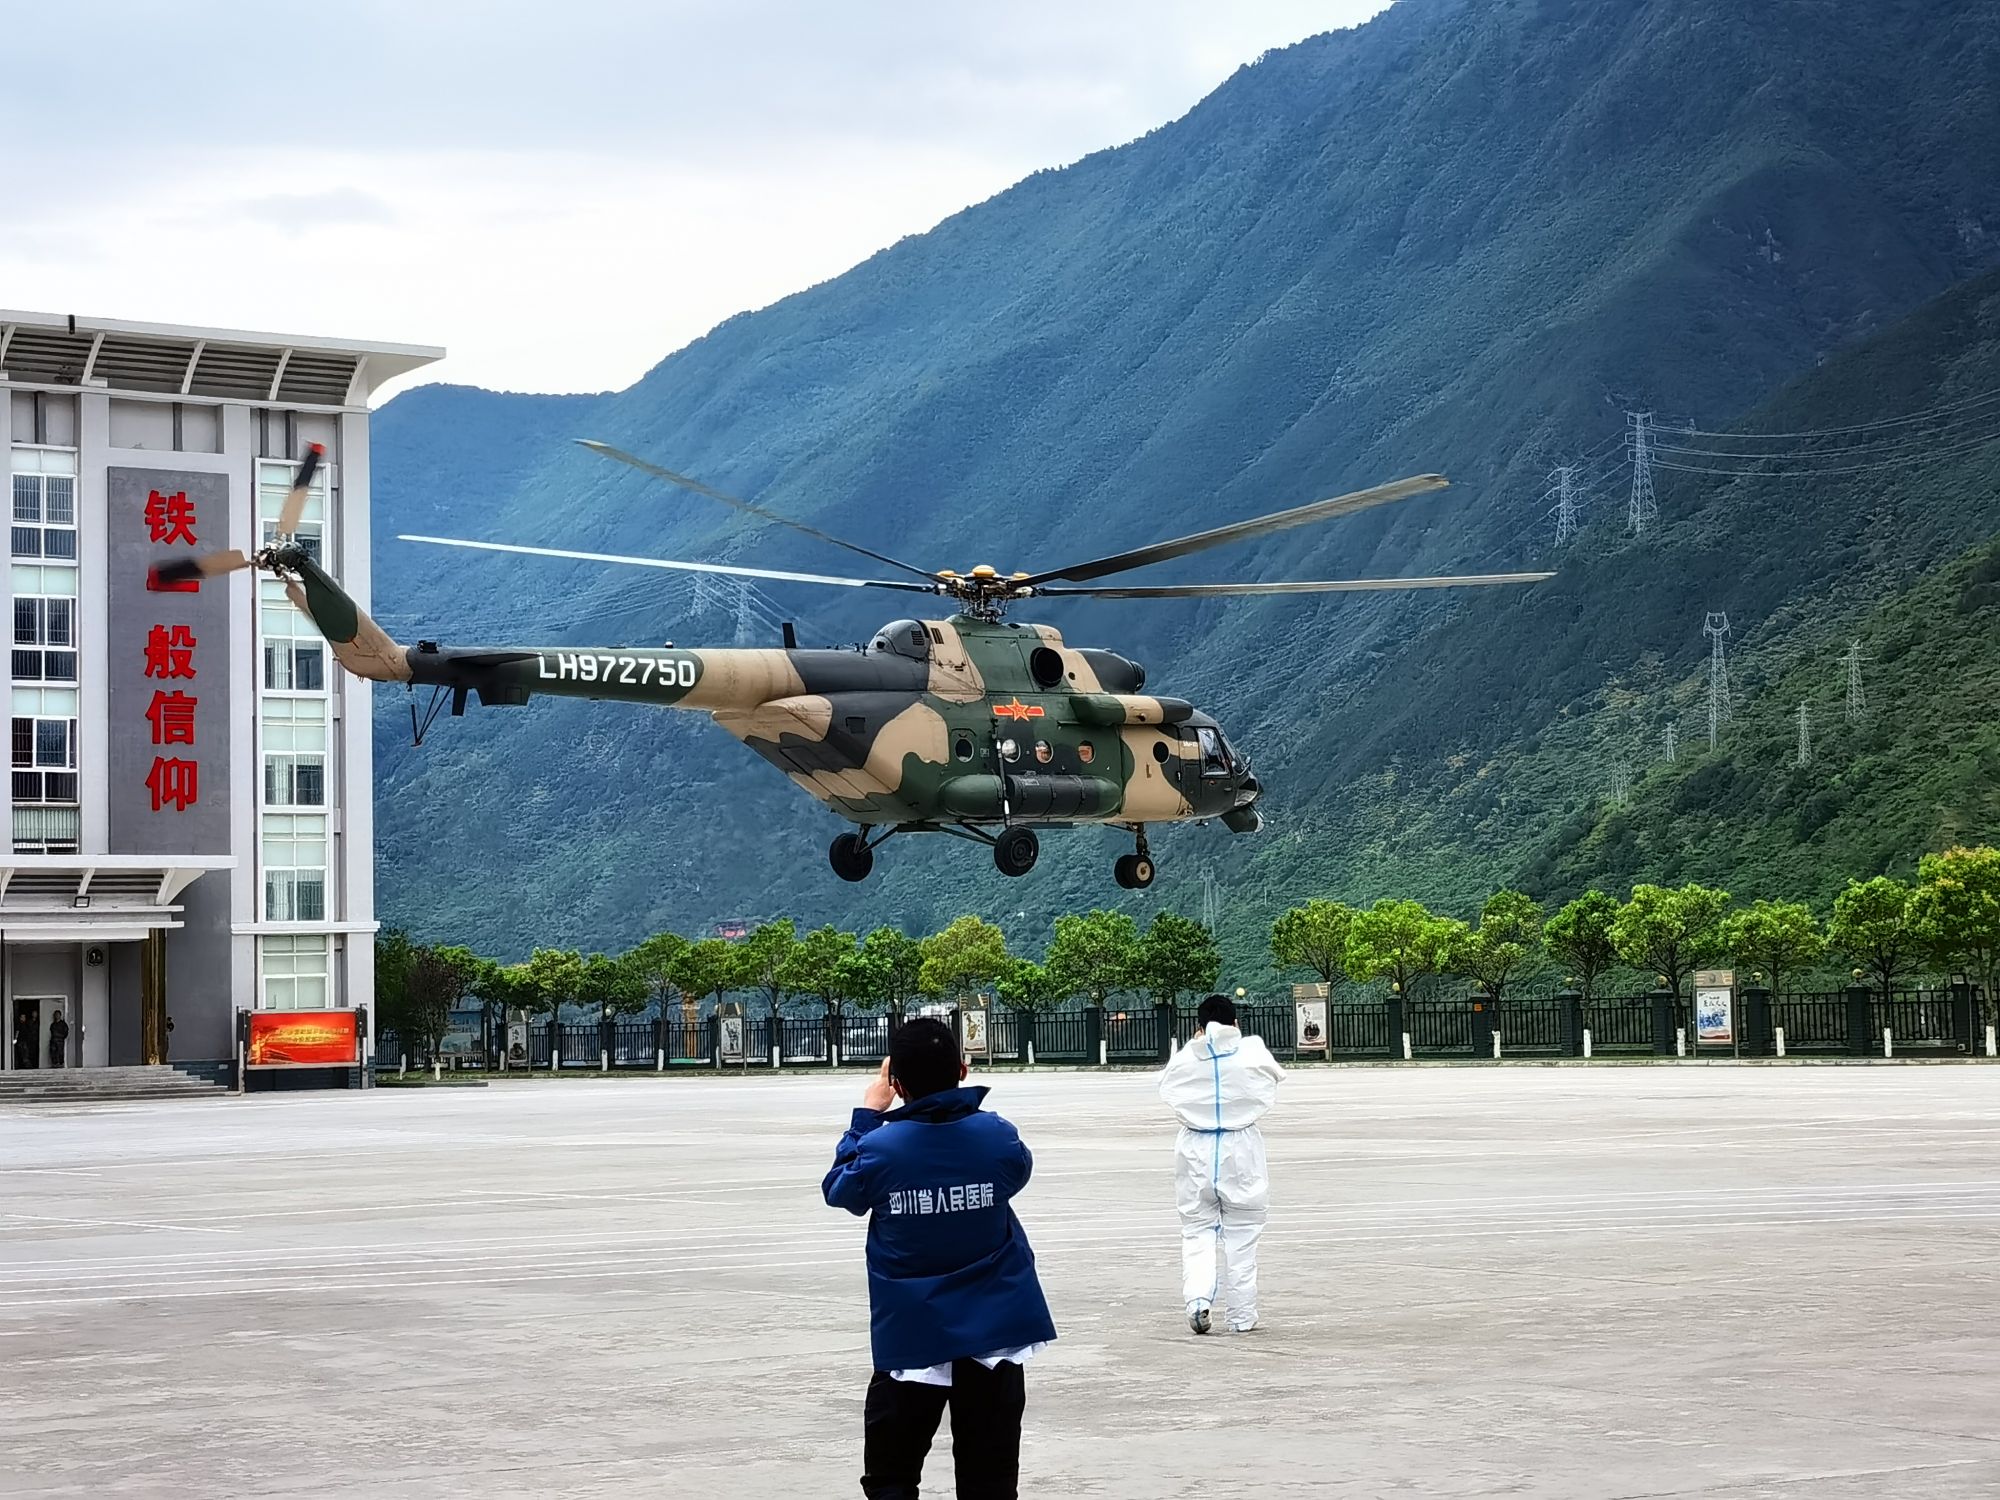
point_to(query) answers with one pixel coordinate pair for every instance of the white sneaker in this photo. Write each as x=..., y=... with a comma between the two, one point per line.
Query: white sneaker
x=1243, y=1327
x=1198, y=1320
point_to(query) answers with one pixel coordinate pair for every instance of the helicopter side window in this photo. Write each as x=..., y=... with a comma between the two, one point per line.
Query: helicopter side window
x=1214, y=761
x=961, y=747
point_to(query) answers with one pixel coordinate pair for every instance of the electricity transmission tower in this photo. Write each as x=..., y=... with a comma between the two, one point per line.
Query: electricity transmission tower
x=1805, y=735
x=1857, y=697
x=1211, y=901
x=1642, y=507
x=1621, y=785
x=1671, y=743
x=1563, y=491
x=1716, y=628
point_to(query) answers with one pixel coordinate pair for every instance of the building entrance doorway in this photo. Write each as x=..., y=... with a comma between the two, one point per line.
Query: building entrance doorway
x=41, y=1032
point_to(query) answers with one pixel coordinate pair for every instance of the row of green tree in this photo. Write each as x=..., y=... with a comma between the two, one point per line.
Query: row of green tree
x=1098, y=955
x=1886, y=929
x=1947, y=921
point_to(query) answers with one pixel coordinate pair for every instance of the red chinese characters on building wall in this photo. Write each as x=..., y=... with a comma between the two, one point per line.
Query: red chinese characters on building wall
x=174, y=782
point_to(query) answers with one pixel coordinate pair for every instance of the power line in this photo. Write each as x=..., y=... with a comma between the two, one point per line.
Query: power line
x=1929, y=456
x=1984, y=399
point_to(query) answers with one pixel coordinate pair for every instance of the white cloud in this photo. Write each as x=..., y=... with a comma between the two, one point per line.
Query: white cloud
x=560, y=195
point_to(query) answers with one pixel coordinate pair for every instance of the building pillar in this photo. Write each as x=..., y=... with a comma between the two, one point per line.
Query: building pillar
x=153, y=998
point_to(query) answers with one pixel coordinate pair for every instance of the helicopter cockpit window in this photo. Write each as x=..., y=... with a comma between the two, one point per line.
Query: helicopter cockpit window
x=903, y=638
x=1214, y=759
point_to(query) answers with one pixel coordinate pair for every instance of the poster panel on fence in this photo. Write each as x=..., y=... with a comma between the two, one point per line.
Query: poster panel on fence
x=974, y=1022
x=1312, y=1034
x=730, y=1029
x=1715, y=1008
x=304, y=1039
x=517, y=1044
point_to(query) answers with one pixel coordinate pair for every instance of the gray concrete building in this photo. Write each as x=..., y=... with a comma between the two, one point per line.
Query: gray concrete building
x=189, y=814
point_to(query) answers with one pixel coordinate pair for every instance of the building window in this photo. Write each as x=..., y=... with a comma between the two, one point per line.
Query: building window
x=295, y=781
x=47, y=830
x=44, y=759
x=294, y=652
x=274, y=482
x=294, y=851
x=296, y=968
x=45, y=516
x=44, y=640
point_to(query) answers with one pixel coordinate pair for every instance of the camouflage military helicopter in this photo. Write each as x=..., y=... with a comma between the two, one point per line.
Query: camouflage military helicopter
x=973, y=725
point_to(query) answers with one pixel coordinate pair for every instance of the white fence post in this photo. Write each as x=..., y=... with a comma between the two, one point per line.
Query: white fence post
x=659, y=1059
x=1406, y=1046
x=403, y=1065
x=1586, y=1043
x=1990, y=1043
x=437, y=1070
x=1680, y=1041
x=1496, y=1046
x=1778, y=1036
x=1888, y=1043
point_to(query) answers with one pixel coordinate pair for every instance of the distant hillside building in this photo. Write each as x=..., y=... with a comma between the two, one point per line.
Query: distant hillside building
x=190, y=821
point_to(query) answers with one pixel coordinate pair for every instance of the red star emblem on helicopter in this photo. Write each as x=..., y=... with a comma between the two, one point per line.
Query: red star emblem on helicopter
x=1017, y=710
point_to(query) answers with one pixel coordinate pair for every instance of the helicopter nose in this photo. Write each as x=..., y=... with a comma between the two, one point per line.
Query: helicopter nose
x=1251, y=787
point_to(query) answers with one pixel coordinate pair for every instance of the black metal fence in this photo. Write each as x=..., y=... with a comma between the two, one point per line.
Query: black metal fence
x=1854, y=1022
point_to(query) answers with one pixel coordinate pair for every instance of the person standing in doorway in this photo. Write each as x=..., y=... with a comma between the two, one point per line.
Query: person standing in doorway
x=955, y=1306
x=58, y=1039
x=1219, y=1086
x=24, y=1036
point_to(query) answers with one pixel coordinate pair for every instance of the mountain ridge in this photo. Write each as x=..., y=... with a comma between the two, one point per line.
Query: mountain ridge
x=1444, y=239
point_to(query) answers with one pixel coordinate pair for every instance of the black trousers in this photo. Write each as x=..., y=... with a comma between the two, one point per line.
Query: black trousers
x=901, y=1419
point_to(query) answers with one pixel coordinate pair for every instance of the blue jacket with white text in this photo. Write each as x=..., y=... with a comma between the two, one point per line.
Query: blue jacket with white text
x=950, y=1274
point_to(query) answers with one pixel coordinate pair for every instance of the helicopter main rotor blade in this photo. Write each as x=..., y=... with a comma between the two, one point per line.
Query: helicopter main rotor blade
x=776, y=574
x=1306, y=586
x=294, y=508
x=687, y=483
x=1201, y=541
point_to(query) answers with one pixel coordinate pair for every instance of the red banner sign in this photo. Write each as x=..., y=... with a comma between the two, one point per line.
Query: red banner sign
x=304, y=1039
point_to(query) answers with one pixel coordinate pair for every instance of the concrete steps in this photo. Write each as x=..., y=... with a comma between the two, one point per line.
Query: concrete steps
x=91, y=1085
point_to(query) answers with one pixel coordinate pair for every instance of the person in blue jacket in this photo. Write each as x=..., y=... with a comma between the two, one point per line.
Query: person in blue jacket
x=955, y=1308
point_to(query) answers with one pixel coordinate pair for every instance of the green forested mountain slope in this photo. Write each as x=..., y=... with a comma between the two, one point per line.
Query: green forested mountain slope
x=1457, y=238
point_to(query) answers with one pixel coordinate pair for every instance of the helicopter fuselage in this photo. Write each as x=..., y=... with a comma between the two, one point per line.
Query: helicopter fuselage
x=961, y=721
x=973, y=726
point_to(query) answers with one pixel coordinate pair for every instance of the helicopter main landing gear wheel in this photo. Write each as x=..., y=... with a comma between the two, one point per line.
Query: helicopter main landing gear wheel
x=1016, y=850
x=851, y=856
x=1135, y=871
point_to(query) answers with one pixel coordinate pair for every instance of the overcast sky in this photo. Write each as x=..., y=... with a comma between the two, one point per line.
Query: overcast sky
x=560, y=194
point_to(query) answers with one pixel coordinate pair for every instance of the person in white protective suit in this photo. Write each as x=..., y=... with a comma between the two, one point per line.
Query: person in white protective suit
x=1219, y=1087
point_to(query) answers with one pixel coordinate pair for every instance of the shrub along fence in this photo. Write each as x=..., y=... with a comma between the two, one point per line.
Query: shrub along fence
x=1856, y=1022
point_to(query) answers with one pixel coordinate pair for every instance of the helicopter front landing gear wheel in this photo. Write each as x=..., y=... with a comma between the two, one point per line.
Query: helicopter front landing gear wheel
x=1016, y=850
x=851, y=856
x=1133, y=871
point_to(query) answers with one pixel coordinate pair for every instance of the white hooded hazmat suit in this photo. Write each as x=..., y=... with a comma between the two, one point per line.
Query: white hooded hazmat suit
x=1219, y=1087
